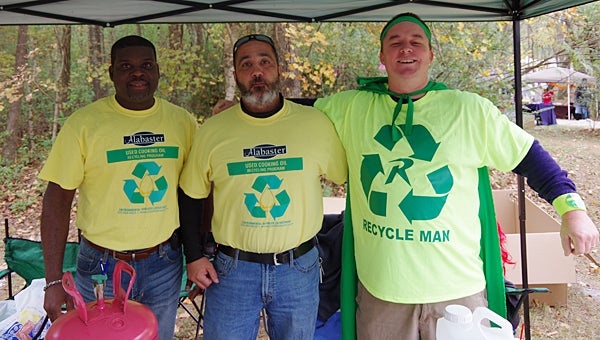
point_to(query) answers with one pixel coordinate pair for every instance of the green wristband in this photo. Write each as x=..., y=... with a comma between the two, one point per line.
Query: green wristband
x=568, y=202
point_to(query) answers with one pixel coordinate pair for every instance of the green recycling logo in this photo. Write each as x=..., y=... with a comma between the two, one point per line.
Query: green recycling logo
x=413, y=205
x=146, y=186
x=271, y=201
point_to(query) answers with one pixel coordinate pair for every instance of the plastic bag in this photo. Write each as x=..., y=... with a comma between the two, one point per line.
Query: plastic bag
x=7, y=309
x=29, y=315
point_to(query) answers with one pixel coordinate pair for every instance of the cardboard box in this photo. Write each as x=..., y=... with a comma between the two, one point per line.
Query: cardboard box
x=546, y=263
x=547, y=266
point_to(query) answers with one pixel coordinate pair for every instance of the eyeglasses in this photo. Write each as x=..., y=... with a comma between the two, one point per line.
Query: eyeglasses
x=257, y=37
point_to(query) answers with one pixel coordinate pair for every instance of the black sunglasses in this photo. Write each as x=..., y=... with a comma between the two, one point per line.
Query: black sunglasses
x=257, y=37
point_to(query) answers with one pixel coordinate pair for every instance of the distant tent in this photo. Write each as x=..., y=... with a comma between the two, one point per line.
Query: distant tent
x=558, y=75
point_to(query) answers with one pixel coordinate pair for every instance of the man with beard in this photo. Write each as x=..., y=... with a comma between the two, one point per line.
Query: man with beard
x=123, y=154
x=264, y=158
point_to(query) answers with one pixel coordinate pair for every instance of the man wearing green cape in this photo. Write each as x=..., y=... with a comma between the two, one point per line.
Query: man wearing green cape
x=420, y=227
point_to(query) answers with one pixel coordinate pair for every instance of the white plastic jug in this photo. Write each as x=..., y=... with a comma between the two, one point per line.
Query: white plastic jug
x=459, y=323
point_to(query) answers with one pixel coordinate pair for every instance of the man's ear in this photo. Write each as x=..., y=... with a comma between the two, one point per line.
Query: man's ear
x=110, y=72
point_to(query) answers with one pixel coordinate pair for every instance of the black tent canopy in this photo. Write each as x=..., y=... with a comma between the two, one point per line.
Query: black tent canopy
x=109, y=13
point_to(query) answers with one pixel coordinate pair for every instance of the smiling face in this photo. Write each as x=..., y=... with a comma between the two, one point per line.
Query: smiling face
x=135, y=75
x=257, y=76
x=406, y=54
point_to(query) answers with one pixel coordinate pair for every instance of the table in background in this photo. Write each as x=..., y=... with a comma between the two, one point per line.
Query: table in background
x=545, y=112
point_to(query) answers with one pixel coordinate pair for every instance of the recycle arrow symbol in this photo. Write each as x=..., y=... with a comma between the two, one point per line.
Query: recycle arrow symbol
x=422, y=143
x=415, y=207
x=261, y=184
x=428, y=207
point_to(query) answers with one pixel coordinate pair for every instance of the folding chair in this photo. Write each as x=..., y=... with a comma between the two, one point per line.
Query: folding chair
x=24, y=258
x=196, y=314
x=520, y=294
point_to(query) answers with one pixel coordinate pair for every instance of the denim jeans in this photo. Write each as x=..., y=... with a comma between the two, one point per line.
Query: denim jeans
x=289, y=293
x=157, y=283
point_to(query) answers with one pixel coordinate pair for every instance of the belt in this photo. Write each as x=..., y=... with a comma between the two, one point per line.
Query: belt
x=270, y=258
x=129, y=255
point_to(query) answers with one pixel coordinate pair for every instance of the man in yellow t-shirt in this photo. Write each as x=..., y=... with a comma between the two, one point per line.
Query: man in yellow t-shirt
x=123, y=154
x=415, y=149
x=264, y=158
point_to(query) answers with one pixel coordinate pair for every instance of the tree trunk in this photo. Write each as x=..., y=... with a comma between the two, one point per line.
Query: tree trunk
x=96, y=60
x=13, y=124
x=63, y=39
x=289, y=85
x=198, y=32
x=232, y=34
x=176, y=47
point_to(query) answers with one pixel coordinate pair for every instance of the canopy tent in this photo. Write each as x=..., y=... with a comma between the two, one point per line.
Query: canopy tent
x=110, y=13
x=559, y=75
x=556, y=75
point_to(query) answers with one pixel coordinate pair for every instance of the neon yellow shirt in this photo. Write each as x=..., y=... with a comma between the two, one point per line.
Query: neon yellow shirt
x=125, y=165
x=266, y=171
x=415, y=200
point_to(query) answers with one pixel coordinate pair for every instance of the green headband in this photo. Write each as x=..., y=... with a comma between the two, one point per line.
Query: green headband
x=402, y=19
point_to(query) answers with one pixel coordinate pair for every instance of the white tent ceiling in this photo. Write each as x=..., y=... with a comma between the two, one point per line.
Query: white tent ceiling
x=109, y=13
x=556, y=75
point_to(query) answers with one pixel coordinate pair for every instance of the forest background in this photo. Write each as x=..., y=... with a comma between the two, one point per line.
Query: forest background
x=47, y=72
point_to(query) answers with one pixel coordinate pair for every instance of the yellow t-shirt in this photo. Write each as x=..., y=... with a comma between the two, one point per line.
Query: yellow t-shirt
x=125, y=165
x=415, y=200
x=266, y=171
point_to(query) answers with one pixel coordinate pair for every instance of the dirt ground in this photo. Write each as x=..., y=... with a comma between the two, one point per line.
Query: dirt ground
x=576, y=147
x=574, y=144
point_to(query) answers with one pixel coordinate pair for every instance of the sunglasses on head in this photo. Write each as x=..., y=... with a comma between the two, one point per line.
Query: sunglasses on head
x=257, y=37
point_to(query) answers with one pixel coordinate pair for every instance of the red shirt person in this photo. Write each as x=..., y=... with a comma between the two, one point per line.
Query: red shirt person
x=547, y=96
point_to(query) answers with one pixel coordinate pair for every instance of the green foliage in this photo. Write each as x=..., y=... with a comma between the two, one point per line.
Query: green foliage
x=475, y=57
x=23, y=191
x=352, y=50
x=311, y=74
x=328, y=57
x=191, y=76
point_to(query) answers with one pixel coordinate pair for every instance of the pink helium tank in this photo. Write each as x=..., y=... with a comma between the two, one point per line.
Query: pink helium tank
x=112, y=319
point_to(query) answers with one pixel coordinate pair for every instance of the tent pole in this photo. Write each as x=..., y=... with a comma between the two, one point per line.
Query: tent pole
x=520, y=179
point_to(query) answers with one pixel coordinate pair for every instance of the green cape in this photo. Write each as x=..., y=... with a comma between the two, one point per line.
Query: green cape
x=490, y=254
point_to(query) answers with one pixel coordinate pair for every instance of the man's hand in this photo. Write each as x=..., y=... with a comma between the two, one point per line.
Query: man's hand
x=578, y=233
x=54, y=297
x=202, y=273
x=221, y=105
x=193, y=291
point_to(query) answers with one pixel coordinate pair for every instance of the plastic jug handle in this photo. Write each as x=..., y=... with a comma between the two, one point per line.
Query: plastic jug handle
x=505, y=329
x=120, y=295
x=68, y=284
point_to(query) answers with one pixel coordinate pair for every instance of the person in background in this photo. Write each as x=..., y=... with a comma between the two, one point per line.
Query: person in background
x=548, y=95
x=582, y=98
x=416, y=150
x=263, y=159
x=123, y=154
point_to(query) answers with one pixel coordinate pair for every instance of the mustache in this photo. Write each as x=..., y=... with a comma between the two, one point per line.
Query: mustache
x=257, y=80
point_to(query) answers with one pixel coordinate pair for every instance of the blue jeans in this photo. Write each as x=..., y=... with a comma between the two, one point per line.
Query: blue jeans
x=289, y=293
x=157, y=283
